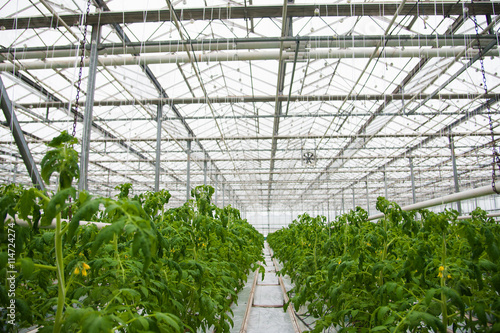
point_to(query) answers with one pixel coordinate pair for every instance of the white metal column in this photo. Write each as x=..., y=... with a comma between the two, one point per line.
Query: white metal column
x=412, y=180
x=188, y=172
x=159, y=119
x=89, y=106
x=455, y=172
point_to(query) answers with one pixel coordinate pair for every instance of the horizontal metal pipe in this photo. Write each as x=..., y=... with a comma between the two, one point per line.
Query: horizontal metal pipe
x=463, y=217
x=469, y=194
x=23, y=223
x=148, y=59
x=264, y=98
x=222, y=44
x=290, y=137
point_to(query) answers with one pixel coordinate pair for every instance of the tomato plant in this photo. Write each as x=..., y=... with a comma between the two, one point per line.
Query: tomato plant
x=151, y=269
x=400, y=274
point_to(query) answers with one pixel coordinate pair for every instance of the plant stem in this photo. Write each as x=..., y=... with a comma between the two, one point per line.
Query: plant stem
x=61, y=294
x=117, y=255
x=444, y=308
x=51, y=268
x=314, y=253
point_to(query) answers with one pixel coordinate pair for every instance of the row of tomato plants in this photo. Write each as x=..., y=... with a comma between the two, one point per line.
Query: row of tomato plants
x=149, y=270
x=401, y=274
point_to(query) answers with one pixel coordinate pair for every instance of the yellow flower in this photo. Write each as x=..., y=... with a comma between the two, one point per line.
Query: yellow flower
x=76, y=271
x=84, y=272
x=86, y=266
x=440, y=275
x=368, y=244
x=441, y=268
x=449, y=276
x=340, y=261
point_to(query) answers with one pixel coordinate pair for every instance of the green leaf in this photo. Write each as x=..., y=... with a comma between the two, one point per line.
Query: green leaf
x=382, y=312
x=416, y=318
x=169, y=319
x=106, y=234
x=61, y=139
x=144, y=323
x=56, y=204
x=495, y=281
x=24, y=310
x=3, y=259
x=62, y=159
x=379, y=328
x=87, y=209
x=429, y=295
x=479, y=309
x=27, y=267
x=97, y=324
x=26, y=202
x=455, y=299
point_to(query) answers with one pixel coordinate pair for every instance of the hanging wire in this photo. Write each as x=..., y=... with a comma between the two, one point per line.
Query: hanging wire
x=495, y=154
x=82, y=56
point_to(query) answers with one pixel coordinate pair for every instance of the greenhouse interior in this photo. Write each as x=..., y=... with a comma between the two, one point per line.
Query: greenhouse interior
x=269, y=116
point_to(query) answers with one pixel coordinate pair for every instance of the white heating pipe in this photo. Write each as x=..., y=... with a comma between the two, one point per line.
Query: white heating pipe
x=24, y=223
x=463, y=217
x=469, y=194
x=214, y=45
x=239, y=56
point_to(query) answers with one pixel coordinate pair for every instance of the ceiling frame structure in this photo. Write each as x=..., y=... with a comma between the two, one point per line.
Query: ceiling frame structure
x=384, y=95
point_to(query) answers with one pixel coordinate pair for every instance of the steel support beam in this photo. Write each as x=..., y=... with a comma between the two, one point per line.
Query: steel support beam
x=385, y=98
x=215, y=195
x=455, y=172
x=367, y=198
x=89, y=106
x=385, y=183
x=353, y=199
x=159, y=117
x=205, y=172
x=412, y=180
x=439, y=8
x=18, y=134
x=188, y=171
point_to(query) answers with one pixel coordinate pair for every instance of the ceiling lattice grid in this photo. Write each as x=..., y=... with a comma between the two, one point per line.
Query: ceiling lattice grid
x=286, y=104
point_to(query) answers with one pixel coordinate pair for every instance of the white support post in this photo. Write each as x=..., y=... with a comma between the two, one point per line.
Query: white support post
x=215, y=197
x=353, y=199
x=385, y=183
x=367, y=198
x=159, y=119
x=455, y=172
x=188, y=173
x=223, y=194
x=412, y=180
x=205, y=172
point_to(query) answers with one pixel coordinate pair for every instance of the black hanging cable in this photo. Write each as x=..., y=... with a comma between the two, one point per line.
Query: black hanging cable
x=83, y=41
x=496, y=155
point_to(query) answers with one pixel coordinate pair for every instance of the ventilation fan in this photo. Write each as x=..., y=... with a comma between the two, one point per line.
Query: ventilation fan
x=309, y=158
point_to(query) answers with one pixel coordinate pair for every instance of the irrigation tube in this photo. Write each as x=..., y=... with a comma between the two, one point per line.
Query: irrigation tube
x=469, y=194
